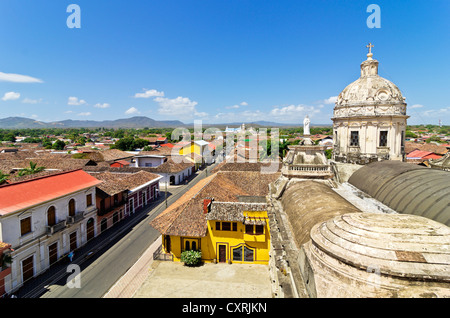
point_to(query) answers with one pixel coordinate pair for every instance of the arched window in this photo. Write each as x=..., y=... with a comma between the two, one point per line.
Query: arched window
x=51, y=216
x=72, y=207
x=194, y=245
x=187, y=247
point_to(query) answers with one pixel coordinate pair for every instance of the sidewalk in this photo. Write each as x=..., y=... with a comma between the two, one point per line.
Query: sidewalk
x=130, y=282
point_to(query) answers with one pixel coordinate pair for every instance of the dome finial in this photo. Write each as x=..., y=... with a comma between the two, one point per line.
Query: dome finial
x=370, y=54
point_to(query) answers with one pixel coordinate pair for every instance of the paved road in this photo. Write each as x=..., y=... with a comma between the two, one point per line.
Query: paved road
x=120, y=250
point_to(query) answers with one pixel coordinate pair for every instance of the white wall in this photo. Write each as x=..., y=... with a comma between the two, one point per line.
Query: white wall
x=148, y=161
x=37, y=242
x=179, y=175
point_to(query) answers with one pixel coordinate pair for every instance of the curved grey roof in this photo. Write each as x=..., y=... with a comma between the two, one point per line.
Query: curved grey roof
x=309, y=202
x=407, y=188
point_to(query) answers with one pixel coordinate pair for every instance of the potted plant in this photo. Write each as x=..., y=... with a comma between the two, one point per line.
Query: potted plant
x=191, y=257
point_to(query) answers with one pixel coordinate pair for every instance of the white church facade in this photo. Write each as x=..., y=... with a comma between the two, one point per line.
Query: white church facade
x=369, y=119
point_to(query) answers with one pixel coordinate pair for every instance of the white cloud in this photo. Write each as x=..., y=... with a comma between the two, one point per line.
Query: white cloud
x=330, y=100
x=31, y=101
x=237, y=106
x=177, y=106
x=84, y=114
x=416, y=106
x=149, y=93
x=11, y=96
x=201, y=114
x=17, y=78
x=68, y=112
x=293, y=111
x=34, y=116
x=104, y=105
x=74, y=101
x=132, y=110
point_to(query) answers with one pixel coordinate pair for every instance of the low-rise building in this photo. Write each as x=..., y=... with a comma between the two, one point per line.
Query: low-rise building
x=43, y=219
x=122, y=194
x=224, y=216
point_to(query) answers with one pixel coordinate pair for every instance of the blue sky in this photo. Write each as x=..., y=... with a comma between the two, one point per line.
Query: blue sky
x=216, y=60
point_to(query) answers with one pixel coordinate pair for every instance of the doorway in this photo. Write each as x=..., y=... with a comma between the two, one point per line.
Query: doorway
x=28, y=268
x=90, y=229
x=167, y=243
x=73, y=241
x=222, y=253
x=53, y=253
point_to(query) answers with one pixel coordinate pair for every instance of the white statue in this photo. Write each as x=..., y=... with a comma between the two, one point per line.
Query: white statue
x=306, y=122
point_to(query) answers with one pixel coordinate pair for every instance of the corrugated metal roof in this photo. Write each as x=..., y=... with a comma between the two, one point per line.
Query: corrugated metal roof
x=407, y=188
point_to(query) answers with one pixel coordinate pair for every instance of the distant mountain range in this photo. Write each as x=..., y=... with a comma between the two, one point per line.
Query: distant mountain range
x=132, y=122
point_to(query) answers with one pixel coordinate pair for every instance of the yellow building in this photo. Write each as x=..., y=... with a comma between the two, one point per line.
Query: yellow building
x=239, y=232
x=195, y=151
x=224, y=216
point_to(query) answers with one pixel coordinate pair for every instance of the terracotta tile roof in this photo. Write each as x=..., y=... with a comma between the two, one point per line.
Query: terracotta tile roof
x=233, y=211
x=185, y=217
x=160, y=151
x=432, y=156
x=113, y=183
x=418, y=154
x=114, y=154
x=59, y=163
x=437, y=149
x=21, y=195
x=123, y=162
x=245, y=166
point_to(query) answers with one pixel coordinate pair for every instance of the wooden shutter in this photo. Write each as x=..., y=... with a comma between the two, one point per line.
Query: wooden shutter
x=89, y=200
x=25, y=226
x=51, y=216
x=27, y=268
x=72, y=207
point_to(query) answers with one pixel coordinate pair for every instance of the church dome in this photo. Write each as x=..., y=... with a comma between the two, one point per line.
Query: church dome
x=370, y=94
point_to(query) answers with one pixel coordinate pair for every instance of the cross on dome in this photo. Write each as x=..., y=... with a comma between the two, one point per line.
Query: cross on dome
x=370, y=54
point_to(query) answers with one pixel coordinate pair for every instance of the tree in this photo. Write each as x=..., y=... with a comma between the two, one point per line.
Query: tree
x=410, y=134
x=124, y=144
x=31, y=170
x=130, y=144
x=10, y=137
x=58, y=145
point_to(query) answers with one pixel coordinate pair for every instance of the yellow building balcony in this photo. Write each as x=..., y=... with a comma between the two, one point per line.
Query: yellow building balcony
x=255, y=238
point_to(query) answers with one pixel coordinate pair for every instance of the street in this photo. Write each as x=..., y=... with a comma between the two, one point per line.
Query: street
x=101, y=267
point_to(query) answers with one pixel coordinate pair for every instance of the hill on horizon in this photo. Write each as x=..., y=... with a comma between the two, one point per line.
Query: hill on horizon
x=132, y=122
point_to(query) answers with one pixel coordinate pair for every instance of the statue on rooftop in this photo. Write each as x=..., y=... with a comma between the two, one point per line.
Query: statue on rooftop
x=306, y=122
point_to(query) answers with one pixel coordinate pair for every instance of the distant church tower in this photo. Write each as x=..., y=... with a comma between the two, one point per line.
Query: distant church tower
x=369, y=119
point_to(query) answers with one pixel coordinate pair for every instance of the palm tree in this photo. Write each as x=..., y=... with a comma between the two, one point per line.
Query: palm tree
x=283, y=148
x=31, y=170
x=3, y=177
